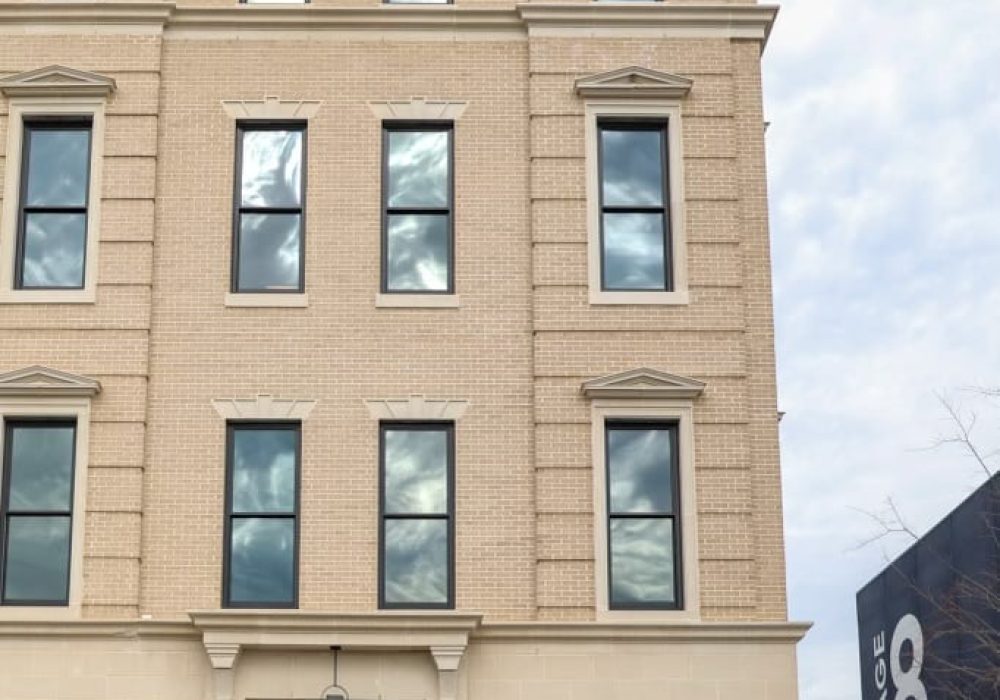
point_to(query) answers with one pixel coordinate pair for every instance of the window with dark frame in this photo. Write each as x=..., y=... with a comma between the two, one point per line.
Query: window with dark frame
x=634, y=206
x=644, y=562
x=416, y=515
x=37, y=518
x=51, y=240
x=269, y=207
x=417, y=208
x=261, y=558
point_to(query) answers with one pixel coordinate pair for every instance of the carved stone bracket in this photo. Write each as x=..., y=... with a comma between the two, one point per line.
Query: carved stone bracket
x=223, y=656
x=447, y=659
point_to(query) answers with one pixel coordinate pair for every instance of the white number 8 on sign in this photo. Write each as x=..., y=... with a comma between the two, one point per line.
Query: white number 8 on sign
x=908, y=683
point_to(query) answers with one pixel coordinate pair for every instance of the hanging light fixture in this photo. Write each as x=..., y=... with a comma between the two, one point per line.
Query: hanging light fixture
x=335, y=691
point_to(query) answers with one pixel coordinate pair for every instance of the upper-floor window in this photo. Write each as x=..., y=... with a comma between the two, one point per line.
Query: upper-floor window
x=54, y=195
x=417, y=503
x=37, y=511
x=269, y=207
x=635, y=221
x=642, y=507
x=417, y=193
x=262, y=507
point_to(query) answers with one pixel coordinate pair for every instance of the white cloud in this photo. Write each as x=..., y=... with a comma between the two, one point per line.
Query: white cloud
x=882, y=156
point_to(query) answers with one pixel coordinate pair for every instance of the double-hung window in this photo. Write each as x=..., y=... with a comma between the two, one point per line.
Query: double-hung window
x=417, y=504
x=634, y=206
x=54, y=195
x=417, y=212
x=269, y=208
x=37, y=511
x=262, y=507
x=643, y=516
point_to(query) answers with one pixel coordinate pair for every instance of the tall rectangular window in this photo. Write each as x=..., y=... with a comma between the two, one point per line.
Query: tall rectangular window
x=417, y=194
x=417, y=502
x=262, y=506
x=37, y=517
x=635, y=221
x=643, y=522
x=269, y=207
x=54, y=195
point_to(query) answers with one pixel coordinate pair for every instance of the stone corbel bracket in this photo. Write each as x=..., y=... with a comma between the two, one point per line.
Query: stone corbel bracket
x=223, y=656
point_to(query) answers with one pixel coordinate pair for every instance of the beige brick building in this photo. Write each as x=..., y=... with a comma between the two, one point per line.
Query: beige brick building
x=440, y=334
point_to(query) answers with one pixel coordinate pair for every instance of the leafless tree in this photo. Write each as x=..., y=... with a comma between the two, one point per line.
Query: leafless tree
x=962, y=642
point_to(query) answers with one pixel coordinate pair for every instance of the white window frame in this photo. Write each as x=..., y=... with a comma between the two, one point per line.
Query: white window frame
x=598, y=109
x=679, y=412
x=55, y=407
x=26, y=108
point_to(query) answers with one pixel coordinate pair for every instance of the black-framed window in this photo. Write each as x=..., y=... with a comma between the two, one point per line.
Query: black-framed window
x=643, y=506
x=52, y=209
x=269, y=207
x=37, y=519
x=418, y=207
x=416, y=515
x=634, y=203
x=261, y=559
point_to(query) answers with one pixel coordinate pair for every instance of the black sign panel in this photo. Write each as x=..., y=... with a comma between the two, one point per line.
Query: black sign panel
x=929, y=625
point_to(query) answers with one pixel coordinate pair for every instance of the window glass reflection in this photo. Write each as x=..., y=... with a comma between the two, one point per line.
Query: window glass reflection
x=639, y=470
x=53, y=254
x=642, y=561
x=418, y=169
x=271, y=168
x=416, y=561
x=634, y=251
x=264, y=471
x=262, y=560
x=37, y=563
x=269, y=251
x=41, y=470
x=418, y=249
x=416, y=471
x=632, y=167
x=58, y=167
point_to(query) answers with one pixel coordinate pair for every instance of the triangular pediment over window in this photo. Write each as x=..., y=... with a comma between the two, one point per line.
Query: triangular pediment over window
x=634, y=81
x=43, y=381
x=643, y=383
x=57, y=81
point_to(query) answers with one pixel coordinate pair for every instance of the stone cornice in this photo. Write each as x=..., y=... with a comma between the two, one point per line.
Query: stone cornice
x=253, y=623
x=732, y=21
x=313, y=18
x=722, y=632
x=544, y=19
x=125, y=13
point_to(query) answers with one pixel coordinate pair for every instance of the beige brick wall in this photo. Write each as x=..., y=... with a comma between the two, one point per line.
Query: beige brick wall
x=164, y=345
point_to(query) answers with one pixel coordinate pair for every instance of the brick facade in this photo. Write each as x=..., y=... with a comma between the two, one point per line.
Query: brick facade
x=163, y=344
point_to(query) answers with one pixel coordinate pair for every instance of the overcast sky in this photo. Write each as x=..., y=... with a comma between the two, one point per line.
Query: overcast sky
x=884, y=160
